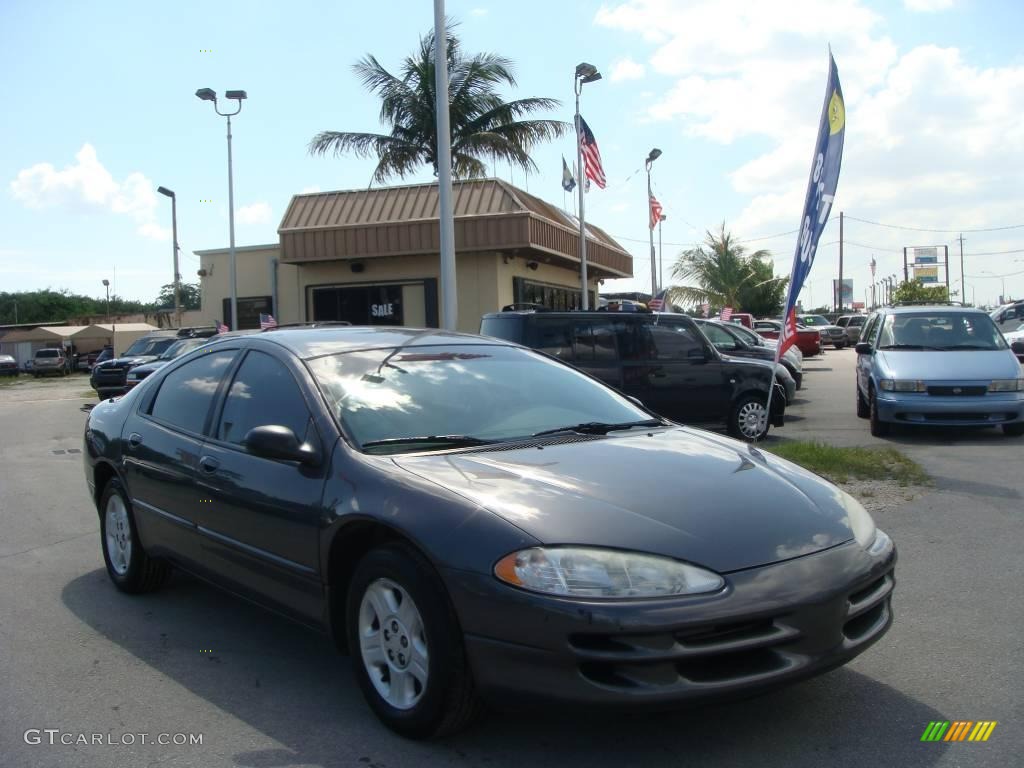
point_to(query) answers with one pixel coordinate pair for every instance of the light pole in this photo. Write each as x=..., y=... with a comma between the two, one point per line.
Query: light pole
x=653, y=155
x=661, y=264
x=106, y=284
x=446, y=214
x=207, y=94
x=585, y=73
x=174, y=236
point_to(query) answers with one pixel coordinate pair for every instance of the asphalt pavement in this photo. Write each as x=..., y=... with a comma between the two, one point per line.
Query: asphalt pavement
x=79, y=657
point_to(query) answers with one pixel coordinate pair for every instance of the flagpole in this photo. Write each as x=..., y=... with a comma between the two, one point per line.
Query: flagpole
x=585, y=304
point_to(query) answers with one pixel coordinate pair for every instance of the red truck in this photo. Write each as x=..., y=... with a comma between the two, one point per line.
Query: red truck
x=808, y=340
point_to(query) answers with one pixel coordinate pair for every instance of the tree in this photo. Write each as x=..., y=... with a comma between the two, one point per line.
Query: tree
x=49, y=305
x=188, y=295
x=917, y=291
x=482, y=124
x=726, y=276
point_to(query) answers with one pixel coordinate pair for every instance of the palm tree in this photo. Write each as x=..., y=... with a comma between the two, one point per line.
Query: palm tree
x=727, y=276
x=483, y=125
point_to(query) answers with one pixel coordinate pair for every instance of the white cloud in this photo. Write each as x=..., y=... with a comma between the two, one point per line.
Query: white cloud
x=626, y=69
x=310, y=190
x=87, y=186
x=257, y=213
x=927, y=6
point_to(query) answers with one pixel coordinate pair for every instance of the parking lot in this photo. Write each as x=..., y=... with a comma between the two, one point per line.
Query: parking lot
x=80, y=657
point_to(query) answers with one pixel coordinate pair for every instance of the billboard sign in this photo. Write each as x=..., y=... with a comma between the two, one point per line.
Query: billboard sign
x=847, y=296
x=926, y=274
x=928, y=255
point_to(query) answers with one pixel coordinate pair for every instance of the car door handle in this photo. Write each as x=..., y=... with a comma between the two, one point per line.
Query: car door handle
x=134, y=440
x=209, y=464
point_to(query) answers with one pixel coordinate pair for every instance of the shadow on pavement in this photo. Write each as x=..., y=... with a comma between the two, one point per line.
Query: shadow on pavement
x=290, y=684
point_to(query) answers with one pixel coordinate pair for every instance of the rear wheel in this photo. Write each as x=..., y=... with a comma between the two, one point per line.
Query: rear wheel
x=128, y=565
x=1013, y=430
x=879, y=428
x=749, y=418
x=406, y=645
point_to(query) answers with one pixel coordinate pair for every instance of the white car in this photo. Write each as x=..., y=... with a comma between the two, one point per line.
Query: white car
x=1015, y=338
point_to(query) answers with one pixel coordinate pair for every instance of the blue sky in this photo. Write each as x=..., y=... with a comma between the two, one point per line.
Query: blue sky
x=99, y=111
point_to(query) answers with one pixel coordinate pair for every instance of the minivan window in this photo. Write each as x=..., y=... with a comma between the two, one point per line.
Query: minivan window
x=187, y=393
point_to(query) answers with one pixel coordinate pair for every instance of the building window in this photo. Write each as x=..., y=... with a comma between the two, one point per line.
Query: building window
x=360, y=305
x=556, y=297
x=249, y=310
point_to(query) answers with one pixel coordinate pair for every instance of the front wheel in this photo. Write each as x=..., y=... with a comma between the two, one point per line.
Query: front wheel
x=749, y=419
x=879, y=428
x=1013, y=430
x=128, y=565
x=406, y=645
x=863, y=409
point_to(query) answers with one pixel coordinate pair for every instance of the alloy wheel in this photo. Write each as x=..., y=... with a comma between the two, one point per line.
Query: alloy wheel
x=393, y=644
x=119, y=535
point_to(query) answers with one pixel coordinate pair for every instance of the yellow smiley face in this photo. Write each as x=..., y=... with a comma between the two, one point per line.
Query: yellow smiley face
x=836, y=114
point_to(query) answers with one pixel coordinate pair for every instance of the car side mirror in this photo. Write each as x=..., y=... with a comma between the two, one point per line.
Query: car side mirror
x=1017, y=347
x=863, y=348
x=274, y=441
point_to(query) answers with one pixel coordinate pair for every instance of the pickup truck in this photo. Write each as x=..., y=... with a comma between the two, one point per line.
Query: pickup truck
x=808, y=340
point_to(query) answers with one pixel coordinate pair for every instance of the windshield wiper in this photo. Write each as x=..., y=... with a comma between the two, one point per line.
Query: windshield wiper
x=601, y=427
x=909, y=346
x=449, y=441
x=969, y=346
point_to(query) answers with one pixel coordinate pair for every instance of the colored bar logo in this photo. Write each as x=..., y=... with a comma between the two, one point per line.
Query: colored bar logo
x=959, y=730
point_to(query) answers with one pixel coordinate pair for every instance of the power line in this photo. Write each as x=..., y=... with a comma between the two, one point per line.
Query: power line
x=940, y=231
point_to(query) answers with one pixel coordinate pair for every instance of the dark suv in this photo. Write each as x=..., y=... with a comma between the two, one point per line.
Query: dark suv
x=663, y=360
x=110, y=377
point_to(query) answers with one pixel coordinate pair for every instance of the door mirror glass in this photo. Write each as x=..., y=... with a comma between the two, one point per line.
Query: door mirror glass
x=863, y=348
x=1018, y=347
x=274, y=441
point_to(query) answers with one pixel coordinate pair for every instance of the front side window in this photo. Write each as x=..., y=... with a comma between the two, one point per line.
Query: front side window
x=187, y=393
x=720, y=337
x=669, y=341
x=944, y=331
x=263, y=392
x=490, y=393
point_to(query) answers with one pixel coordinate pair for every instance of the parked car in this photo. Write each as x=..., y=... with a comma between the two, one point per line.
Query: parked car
x=1008, y=316
x=853, y=325
x=1016, y=341
x=110, y=377
x=8, y=366
x=49, y=360
x=470, y=519
x=833, y=334
x=729, y=344
x=742, y=318
x=107, y=353
x=937, y=365
x=661, y=359
x=792, y=358
x=807, y=340
x=138, y=373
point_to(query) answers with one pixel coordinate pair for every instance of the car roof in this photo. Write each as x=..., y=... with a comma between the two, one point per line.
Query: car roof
x=910, y=308
x=314, y=342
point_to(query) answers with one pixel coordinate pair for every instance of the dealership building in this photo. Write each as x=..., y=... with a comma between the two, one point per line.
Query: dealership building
x=372, y=257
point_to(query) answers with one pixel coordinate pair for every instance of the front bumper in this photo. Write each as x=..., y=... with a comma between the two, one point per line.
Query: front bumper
x=770, y=626
x=921, y=408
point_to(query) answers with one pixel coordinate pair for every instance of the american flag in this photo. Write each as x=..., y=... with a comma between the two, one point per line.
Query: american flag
x=221, y=328
x=655, y=211
x=591, y=154
x=267, y=322
x=726, y=315
x=657, y=304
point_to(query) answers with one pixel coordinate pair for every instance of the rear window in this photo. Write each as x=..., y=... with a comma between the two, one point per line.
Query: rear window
x=857, y=321
x=508, y=328
x=48, y=353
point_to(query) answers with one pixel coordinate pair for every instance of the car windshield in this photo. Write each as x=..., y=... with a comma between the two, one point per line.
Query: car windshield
x=144, y=347
x=938, y=330
x=431, y=397
x=814, y=320
x=180, y=347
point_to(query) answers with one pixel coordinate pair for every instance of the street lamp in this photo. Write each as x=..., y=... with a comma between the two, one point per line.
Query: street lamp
x=174, y=236
x=585, y=73
x=653, y=155
x=207, y=94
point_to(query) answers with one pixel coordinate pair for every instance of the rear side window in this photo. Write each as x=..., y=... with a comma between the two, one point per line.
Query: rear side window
x=508, y=328
x=594, y=341
x=554, y=336
x=263, y=392
x=187, y=393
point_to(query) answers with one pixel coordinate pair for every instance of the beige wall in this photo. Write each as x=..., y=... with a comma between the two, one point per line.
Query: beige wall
x=253, y=268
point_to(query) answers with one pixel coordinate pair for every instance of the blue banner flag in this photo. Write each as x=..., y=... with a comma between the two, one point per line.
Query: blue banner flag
x=821, y=191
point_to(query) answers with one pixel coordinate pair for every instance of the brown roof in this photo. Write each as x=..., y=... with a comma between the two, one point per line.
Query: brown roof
x=490, y=215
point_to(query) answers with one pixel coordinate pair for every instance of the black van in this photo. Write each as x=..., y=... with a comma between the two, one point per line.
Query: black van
x=663, y=360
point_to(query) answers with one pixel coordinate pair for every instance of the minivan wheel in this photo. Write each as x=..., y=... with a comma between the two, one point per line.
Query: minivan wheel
x=863, y=409
x=406, y=645
x=128, y=565
x=749, y=419
x=1013, y=430
x=879, y=428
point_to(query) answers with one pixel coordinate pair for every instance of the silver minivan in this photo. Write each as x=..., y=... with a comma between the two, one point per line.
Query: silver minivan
x=940, y=365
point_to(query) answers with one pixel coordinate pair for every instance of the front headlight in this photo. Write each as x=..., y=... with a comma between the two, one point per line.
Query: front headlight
x=861, y=523
x=603, y=573
x=133, y=377
x=1006, y=385
x=898, y=385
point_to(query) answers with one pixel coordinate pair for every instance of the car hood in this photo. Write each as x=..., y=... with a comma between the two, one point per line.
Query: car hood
x=120, y=362
x=678, y=492
x=969, y=365
x=150, y=367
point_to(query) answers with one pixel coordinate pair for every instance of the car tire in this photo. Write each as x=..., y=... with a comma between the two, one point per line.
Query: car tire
x=396, y=601
x=741, y=424
x=879, y=428
x=863, y=409
x=128, y=565
x=1013, y=430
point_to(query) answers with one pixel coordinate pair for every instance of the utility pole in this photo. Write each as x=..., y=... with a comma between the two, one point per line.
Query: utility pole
x=446, y=215
x=839, y=308
x=963, y=285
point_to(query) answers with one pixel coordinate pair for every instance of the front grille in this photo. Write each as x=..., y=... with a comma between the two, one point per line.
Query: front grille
x=957, y=391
